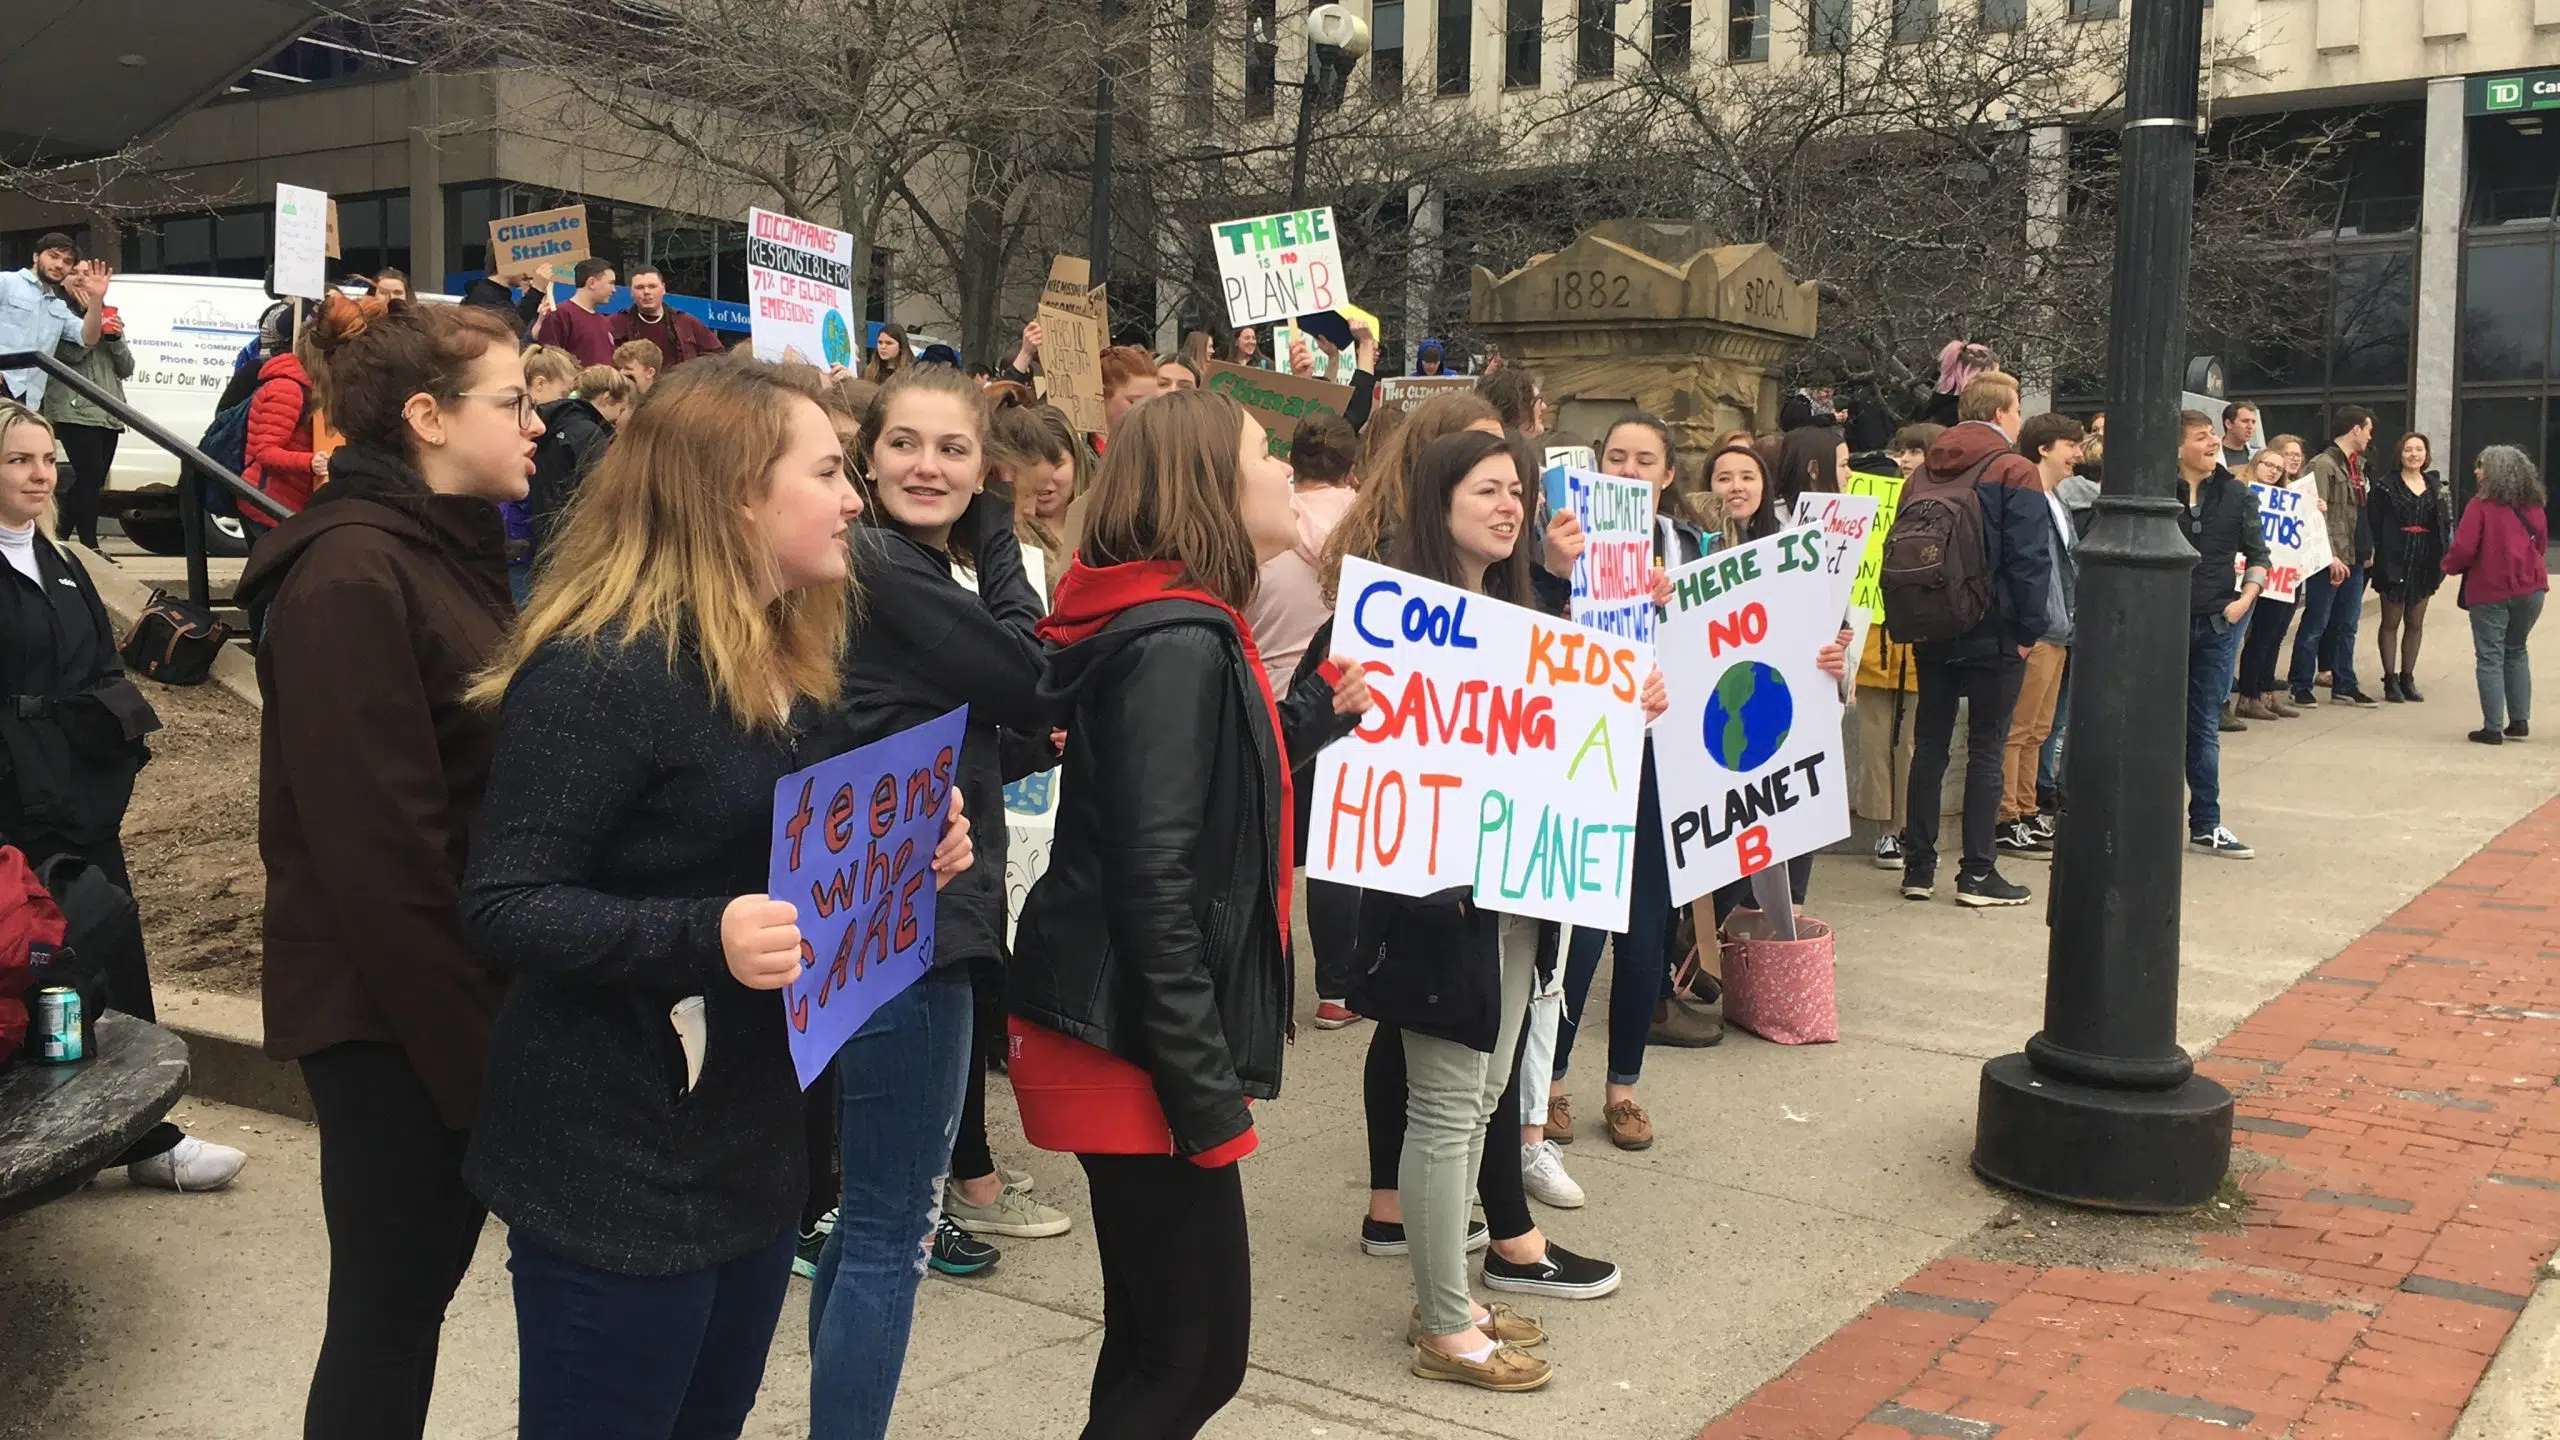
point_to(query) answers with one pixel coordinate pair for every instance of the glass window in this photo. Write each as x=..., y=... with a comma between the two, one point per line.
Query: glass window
x=1595, y=36
x=2386, y=167
x=729, y=264
x=2093, y=9
x=186, y=245
x=2506, y=318
x=1261, y=58
x=2513, y=172
x=2479, y=424
x=1522, y=24
x=1912, y=20
x=2294, y=417
x=2004, y=14
x=1672, y=25
x=360, y=236
x=1746, y=30
x=240, y=244
x=1830, y=26
x=1386, y=48
x=1453, y=60
x=395, y=235
x=468, y=209
x=2369, y=320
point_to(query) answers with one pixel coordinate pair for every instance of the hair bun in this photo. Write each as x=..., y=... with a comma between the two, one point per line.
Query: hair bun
x=339, y=319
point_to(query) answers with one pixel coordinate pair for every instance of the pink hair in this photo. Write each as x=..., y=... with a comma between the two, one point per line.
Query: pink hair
x=1960, y=362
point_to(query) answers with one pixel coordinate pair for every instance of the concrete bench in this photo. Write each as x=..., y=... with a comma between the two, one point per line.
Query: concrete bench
x=61, y=1124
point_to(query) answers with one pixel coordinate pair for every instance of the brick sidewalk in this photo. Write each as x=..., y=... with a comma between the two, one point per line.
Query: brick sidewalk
x=2402, y=1136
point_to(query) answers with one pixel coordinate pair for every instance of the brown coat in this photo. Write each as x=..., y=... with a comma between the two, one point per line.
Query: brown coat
x=376, y=606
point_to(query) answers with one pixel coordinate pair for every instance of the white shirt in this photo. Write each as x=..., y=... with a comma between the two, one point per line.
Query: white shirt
x=18, y=547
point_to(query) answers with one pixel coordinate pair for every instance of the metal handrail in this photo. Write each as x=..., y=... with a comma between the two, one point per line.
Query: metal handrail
x=194, y=464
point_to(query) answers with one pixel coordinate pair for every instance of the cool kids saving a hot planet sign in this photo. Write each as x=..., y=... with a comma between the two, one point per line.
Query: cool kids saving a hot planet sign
x=1504, y=754
x=1748, y=755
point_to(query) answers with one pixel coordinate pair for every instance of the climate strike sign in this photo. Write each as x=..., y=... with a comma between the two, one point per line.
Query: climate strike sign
x=1748, y=756
x=1276, y=266
x=852, y=848
x=1613, y=581
x=1504, y=755
x=800, y=279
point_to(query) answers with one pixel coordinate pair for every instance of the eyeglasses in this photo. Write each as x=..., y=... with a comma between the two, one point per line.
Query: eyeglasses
x=521, y=399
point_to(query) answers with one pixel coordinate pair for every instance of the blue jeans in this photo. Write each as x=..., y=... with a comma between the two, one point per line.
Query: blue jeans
x=602, y=1356
x=2327, y=637
x=2498, y=635
x=2213, y=649
x=2049, y=761
x=899, y=1085
x=1641, y=974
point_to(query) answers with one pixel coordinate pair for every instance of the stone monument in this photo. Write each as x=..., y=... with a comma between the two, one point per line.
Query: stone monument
x=1653, y=314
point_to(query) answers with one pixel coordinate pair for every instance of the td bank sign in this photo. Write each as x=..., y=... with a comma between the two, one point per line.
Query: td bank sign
x=2515, y=94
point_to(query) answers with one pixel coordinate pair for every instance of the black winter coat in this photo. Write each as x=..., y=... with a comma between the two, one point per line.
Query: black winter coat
x=927, y=646
x=625, y=810
x=574, y=437
x=71, y=724
x=1156, y=933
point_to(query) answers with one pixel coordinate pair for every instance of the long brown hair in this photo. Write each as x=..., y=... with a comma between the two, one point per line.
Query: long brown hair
x=367, y=357
x=1167, y=491
x=1365, y=526
x=655, y=545
x=1423, y=545
x=924, y=380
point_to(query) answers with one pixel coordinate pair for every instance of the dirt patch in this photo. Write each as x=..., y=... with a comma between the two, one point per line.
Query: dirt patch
x=2041, y=1232
x=191, y=840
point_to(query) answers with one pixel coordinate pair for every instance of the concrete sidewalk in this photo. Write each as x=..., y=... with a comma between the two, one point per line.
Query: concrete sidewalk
x=1789, y=1190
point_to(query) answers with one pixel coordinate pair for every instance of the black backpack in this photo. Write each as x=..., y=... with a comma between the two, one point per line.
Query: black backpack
x=1936, y=575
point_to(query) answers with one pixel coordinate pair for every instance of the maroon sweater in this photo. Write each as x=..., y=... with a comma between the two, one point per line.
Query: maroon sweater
x=2498, y=552
x=579, y=331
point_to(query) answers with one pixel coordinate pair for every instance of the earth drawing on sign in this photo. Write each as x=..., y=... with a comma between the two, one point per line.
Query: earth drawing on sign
x=1748, y=716
x=836, y=338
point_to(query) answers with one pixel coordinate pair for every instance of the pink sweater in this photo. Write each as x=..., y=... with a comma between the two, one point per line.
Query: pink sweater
x=2498, y=552
x=1288, y=603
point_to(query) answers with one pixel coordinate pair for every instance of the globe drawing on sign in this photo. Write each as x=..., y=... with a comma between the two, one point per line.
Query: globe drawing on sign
x=1748, y=716
x=836, y=339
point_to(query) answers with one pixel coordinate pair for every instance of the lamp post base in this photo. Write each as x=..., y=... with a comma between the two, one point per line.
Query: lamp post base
x=2143, y=1150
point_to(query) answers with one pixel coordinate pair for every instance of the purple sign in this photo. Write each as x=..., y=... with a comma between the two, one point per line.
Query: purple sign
x=853, y=843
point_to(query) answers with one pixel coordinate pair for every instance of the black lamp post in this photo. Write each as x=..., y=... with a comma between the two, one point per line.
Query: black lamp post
x=1336, y=39
x=2103, y=1108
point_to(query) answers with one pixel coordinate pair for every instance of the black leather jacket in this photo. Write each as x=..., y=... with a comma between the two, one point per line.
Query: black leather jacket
x=1157, y=933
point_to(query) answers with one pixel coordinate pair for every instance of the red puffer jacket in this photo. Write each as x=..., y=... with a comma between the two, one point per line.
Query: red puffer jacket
x=279, y=445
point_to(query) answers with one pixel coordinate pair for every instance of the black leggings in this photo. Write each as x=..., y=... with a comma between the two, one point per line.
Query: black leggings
x=91, y=449
x=1177, y=1294
x=1382, y=1094
x=970, y=1157
x=1333, y=932
x=401, y=1232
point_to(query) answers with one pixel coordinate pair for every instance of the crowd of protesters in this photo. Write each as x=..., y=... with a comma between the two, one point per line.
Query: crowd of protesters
x=564, y=594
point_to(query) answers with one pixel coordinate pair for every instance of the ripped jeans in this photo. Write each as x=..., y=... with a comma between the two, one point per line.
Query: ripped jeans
x=899, y=1084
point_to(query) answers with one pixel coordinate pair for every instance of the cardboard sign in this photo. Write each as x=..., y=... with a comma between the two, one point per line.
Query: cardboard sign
x=302, y=242
x=334, y=251
x=1072, y=335
x=1505, y=754
x=1408, y=392
x=1747, y=758
x=2297, y=536
x=852, y=848
x=800, y=288
x=1613, y=581
x=1867, y=593
x=550, y=241
x=1275, y=266
x=1276, y=399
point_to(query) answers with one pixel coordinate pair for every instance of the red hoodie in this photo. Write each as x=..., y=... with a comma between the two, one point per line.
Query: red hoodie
x=278, y=452
x=1078, y=1097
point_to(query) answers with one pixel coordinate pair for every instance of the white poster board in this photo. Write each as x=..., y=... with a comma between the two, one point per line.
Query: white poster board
x=1276, y=266
x=1031, y=825
x=1748, y=756
x=2297, y=536
x=302, y=242
x=1504, y=755
x=800, y=289
x=1613, y=581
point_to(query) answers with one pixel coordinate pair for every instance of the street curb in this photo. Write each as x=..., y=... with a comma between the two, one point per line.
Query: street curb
x=125, y=598
x=226, y=1045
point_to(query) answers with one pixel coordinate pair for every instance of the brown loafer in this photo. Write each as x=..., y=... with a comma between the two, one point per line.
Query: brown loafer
x=2254, y=708
x=1560, y=1118
x=1629, y=1127
x=2281, y=709
x=1506, y=1325
x=1506, y=1369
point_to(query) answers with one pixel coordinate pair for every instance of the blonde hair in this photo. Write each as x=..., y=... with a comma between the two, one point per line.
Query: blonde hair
x=13, y=415
x=599, y=382
x=550, y=362
x=1365, y=527
x=654, y=545
x=643, y=353
x=1168, y=491
x=1986, y=395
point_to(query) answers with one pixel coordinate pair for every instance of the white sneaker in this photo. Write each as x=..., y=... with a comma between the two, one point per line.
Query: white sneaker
x=1542, y=1175
x=191, y=1164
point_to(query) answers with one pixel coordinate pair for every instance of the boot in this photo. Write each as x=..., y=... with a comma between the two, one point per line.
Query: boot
x=2230, y=720
x=2276, y=706
x=2391, y=689
x=2409, y=687
x=2250, y=707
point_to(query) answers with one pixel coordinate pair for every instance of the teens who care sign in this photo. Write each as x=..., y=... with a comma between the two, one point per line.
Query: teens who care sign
x=1747, y=758
x=799, y=290
x=852, y=850
x=1504, y=754
x=1276, y=266
x=1613, y=581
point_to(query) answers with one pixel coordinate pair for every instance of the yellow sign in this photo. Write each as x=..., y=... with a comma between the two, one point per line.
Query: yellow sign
x=1868, y=593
